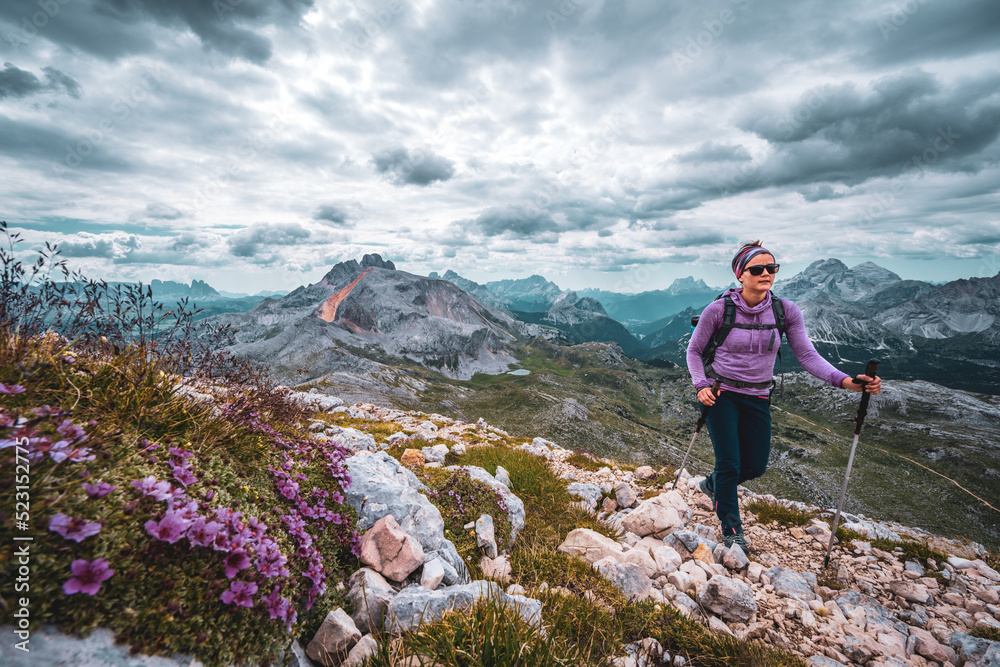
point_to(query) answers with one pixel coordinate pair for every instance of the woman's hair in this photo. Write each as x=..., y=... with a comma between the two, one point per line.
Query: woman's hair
x=747, y=252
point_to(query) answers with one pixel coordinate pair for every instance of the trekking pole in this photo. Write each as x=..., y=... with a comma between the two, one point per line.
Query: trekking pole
x=697, y=430
x=870, y=370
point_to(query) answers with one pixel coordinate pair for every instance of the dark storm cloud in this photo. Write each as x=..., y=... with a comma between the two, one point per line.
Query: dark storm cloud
x=815, y=193
x=712, y=152
x=112, y=28
x=401, y=167
x=849, y=135
x=16, y=82
x=515, y=221
x=919, y=30
x=261, y=237
x=331, y=213
x=47, y=146
x=899, y=125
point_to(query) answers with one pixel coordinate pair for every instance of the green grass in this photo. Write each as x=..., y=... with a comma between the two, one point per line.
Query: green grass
x=462, y=500
x=549, y=514
x=656, y=482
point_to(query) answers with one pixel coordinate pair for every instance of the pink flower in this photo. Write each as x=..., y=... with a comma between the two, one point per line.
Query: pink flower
x=87, y=576
x=169, y=529
x=184, y=475
x=237, y=560
x=75, y=529
x=241, y=593
x=98, y=490
x=202, y=533
x=150, y=487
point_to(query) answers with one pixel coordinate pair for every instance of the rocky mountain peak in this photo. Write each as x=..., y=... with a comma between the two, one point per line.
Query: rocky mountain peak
x=689, y=284
x=375, y=260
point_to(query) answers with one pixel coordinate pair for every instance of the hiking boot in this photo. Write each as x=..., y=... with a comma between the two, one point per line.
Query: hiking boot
x=739, y=539
x=706, y=488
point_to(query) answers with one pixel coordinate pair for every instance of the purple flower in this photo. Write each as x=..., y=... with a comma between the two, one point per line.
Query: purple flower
x=184, y=475
x=221, y=540
x=315, y=572
x=278, y=606
x=180, y=453
x=11, y=389
x=150, y=487
x=202, y=533
x=169, y=529
x=76, y=455
x=256, y=527
x=75, y=529
x=288, y=489
x=236, y=561
x=87, y=576
x=294, y=522
x=148, y=446
x=188, y=512
x=69, y=430
x=241, y=593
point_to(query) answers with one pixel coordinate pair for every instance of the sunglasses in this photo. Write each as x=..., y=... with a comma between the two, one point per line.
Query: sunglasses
x=759, y=269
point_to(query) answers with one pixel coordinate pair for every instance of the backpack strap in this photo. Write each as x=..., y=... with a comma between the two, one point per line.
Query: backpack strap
x=728, y=318
x=778, y=307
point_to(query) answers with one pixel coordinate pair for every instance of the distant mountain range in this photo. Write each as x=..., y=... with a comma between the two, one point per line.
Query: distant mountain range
x=361, y=315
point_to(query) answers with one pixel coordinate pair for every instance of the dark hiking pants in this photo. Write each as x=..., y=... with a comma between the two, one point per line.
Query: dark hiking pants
x=740, y=426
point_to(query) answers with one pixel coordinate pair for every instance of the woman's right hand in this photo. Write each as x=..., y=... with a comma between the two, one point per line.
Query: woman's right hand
x=706, y=396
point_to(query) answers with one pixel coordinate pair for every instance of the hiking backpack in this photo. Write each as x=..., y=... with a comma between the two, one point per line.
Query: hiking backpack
x=728, y=322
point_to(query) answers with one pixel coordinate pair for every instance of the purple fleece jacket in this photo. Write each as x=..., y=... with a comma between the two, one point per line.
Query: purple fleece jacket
x=748, y=354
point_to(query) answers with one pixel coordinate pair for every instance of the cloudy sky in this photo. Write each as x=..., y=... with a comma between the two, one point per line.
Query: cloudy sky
x=255, y=143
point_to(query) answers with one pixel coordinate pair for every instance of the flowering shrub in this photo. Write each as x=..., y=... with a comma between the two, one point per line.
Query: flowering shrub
x=183, y=532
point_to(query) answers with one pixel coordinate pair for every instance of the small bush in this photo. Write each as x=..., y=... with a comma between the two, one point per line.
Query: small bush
x=586, y=462
x=991, y=634
x=830, y=582
x=914, y=550
x=768, y=511
x=846, y=535
x=655, y=483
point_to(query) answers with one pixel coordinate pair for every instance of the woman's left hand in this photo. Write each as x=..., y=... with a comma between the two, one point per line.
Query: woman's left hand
x=873, y=385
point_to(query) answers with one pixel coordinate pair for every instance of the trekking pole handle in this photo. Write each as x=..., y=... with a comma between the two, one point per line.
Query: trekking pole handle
x=706, y=408
x=871, y=370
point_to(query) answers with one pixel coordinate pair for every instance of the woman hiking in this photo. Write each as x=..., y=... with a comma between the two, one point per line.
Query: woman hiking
x=743, y=362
